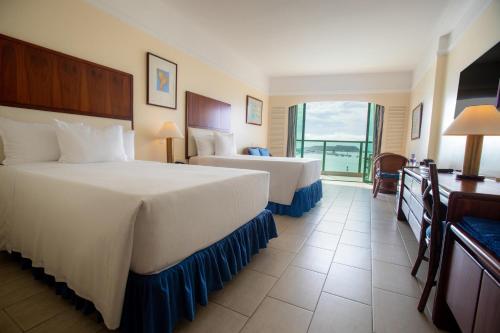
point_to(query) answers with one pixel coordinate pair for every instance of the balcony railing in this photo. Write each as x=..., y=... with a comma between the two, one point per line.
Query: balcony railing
x=340, y=158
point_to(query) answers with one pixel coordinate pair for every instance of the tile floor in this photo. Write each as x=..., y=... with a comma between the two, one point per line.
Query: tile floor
x=343, y=267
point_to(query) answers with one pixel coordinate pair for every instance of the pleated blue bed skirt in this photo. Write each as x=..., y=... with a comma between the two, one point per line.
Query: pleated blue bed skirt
x=303, y=200
x=154, y=303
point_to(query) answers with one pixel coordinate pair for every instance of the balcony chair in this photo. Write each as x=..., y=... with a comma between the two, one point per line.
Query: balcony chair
x=385, y=172
x=431, y=233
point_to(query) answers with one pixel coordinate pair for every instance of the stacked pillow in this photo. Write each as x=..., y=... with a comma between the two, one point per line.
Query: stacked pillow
x=66, y=142
x=219, y=144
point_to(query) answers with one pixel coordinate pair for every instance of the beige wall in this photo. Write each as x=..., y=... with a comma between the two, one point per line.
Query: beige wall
x=79, y=29
x=422, y=93
x=395, y=122
x=480, y=36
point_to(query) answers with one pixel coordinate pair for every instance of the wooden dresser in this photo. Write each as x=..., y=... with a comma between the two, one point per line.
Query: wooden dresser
x=468, y=293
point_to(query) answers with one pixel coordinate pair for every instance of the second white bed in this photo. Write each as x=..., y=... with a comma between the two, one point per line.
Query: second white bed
x=287, y=174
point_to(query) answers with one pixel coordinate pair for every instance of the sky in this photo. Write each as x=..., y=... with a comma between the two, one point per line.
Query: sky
x=336, y=121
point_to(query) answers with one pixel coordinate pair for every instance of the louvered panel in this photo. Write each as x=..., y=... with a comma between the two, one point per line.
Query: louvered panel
x=395, y=124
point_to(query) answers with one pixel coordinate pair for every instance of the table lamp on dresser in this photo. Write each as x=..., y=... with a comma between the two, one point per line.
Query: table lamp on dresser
x=169, y=131
x=475, y=122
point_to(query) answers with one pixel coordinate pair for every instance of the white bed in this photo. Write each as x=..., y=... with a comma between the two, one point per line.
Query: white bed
x=287, y=174
x=88, y=224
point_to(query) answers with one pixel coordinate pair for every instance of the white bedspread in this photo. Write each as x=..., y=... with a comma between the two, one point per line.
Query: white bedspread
x=287, y=174
x=88, y=224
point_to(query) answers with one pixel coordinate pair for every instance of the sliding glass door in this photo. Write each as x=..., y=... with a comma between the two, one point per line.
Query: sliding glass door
x=340, y=134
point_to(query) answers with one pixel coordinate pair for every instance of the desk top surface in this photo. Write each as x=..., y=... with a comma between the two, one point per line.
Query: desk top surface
x=449, y=183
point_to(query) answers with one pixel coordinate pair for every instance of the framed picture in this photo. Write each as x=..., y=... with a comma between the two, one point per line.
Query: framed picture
x=162, y=82
x=254, y=111
x=416, y=121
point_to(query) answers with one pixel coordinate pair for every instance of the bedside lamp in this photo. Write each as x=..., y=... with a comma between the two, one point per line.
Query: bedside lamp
x=475, y=122
x=169, y=131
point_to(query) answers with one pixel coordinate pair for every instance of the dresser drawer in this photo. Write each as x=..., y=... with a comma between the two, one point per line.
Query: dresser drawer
x=416, y=190
x=408, y=181
x=415, y=226
x=417, y=208
x=407, y=195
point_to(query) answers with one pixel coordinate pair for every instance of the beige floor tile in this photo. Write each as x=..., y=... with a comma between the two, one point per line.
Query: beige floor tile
x=212, y=318
x=314, y=258
x=387, y=237
x=245, y=292
x=398, y=313
x=349, y=282
x=323, y=240
x=355, y=238
x=300, y=228
x=390, y=253
x=274, y=316
x=7, y=325
x=69, y=320
x=300, y=287
x=36, y=309
x=384, y=226
x=288, y=242
x=19, y=289
x=336, y=314
x=395, y=278
x=330, y=227
x=271, y=261
x=358, y=226
x=356, y=256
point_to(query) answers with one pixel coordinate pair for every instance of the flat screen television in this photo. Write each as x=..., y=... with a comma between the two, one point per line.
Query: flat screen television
x=480, y=81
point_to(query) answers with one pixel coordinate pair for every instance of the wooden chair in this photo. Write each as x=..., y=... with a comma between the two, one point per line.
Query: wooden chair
x=385, y=172
x=431, y=233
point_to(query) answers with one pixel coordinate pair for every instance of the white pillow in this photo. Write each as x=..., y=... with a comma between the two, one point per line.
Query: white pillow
x=204, y=144
x=81, y=143
x=128, y=144
x=28, y=142
x=224, y=144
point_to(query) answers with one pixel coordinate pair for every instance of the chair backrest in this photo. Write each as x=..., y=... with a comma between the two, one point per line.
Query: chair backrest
x=432, y=204
x=389, y=162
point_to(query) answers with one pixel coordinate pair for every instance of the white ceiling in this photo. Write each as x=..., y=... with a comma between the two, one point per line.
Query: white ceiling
x=309, y=37
x=258, y=39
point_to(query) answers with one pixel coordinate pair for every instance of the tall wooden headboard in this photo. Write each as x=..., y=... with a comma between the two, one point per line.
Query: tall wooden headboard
x=38, y=78
x=206, y=113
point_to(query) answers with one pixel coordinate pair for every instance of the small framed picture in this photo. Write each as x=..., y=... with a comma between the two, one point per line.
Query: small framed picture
x=416, y=121
x=162, y=82
x=254, y=111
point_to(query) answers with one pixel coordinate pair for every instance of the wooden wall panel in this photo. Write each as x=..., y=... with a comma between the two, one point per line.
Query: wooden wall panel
x=207, y=113
x=38, y=78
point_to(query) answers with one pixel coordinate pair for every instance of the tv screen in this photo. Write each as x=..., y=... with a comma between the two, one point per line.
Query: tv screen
x=480, y=82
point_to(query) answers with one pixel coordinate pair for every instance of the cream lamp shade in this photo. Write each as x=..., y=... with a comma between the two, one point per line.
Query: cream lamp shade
x=170, y=130
x=475, y=122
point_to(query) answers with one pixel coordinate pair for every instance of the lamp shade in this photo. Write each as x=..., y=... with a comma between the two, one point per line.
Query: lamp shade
x=170, y=130
x=476, y=120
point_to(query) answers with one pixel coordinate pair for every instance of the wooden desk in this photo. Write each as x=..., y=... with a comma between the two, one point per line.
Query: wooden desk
x=468, y=292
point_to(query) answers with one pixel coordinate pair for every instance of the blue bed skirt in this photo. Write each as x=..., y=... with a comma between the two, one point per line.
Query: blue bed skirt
x=154, y=303
x=303, y=200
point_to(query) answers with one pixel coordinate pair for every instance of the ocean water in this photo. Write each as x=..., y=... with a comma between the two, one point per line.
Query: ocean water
x=346, y=163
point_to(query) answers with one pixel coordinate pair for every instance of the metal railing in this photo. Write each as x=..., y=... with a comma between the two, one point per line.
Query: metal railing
x=342, y=158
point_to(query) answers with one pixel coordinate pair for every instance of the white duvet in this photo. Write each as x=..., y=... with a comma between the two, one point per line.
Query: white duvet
x=288, y=174
x=89, y=224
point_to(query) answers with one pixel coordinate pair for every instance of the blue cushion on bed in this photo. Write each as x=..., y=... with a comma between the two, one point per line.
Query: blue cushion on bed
x=264, y=152
x=254, y=151
x=487, y=232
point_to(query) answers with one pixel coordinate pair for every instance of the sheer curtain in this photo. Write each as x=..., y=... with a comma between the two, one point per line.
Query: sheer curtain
x=291, y=137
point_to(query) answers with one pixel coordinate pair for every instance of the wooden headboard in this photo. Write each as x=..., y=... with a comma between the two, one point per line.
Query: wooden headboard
x=206, y=113
x=38, y=78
